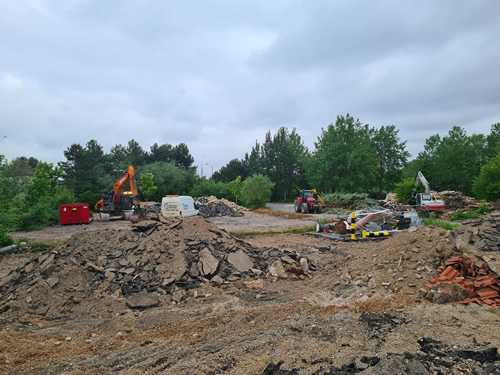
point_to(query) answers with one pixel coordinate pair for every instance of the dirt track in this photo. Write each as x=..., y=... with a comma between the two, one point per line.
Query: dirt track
x=314, y=325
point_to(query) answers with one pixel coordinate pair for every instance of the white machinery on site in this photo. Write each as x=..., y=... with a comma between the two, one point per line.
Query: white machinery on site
x=426, y=201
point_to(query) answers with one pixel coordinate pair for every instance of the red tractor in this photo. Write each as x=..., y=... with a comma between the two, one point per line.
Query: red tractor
x=306, y=202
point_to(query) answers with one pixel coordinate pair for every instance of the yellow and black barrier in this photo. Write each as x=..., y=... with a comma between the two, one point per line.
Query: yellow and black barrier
x=353, y=226
x=375, y=234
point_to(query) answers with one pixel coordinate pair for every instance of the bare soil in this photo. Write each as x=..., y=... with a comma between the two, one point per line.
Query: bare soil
x=359, y=312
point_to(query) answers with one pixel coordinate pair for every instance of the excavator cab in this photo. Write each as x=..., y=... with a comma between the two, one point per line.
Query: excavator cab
x=117, y=201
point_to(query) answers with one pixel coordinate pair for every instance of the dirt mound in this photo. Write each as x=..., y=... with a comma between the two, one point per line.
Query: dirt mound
x=168, y=257
x=482, y=232
x=399, y=265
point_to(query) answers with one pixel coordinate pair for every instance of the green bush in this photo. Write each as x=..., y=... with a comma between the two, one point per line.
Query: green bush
x=206, y=188
x=5, y=239
x=350, y=201
x=404, y=190
x=460, y=215
x=257, y=191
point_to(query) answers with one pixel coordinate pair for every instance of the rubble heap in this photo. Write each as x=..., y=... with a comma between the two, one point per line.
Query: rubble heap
x=482, y=232
x=168, y=257
x=212, y=207
x=401, y=265
x=473, y=276
x=148, y=210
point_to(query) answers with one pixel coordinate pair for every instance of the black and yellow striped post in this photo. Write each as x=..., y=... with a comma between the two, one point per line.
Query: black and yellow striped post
x=375, y=234
x=353, y=226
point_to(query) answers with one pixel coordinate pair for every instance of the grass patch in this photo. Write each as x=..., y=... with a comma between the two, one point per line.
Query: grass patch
x=242, y=234
x=281, y=214
x=460, y=215
x=448, y=225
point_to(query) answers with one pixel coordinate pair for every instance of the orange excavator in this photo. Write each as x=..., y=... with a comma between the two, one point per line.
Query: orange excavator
x=117, y=201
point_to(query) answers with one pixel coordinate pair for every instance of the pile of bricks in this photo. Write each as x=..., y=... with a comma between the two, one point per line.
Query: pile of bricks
x=482, y=284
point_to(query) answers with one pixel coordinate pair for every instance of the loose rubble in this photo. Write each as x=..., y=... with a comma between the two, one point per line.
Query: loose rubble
x=482, y=232
x=168, y=257
x=213, y=207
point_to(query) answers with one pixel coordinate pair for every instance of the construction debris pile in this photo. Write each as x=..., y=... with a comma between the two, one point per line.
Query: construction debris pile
x=147, y=210
x=469, y=278
x=168, y=257
x=371, y=220
x=212, y=207
x=482, y=232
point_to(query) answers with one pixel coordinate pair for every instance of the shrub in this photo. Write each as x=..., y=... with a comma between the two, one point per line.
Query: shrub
x=460, y=215
x=5, y=239
x=257, y=191
x=348, y=200
x=210, y=187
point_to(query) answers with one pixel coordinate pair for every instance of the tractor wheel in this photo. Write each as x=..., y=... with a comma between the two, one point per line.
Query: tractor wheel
x=305, y=208
x=296, y=206
x=319, y=209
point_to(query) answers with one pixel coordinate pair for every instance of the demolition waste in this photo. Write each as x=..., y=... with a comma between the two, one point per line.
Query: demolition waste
x=167, y=257
x=208, y=207
x=374, y=289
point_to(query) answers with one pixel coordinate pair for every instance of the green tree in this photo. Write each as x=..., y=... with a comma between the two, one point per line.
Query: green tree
x=391, y=154
x=147, y=187
x=85, y=169
x=456, y=160
x=236, y=187
x=487, y=185
x=204, y=188
x=344, y=158
x=253, y=162
x=231, y=171
x=284, y=156
x=257, y=190
x=181, y=156
x=161, y=153
x=493, y=141
x=169, y=178
x=404, y=190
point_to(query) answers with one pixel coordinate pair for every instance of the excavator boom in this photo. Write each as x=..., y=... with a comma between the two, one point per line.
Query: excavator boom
x=116, y=199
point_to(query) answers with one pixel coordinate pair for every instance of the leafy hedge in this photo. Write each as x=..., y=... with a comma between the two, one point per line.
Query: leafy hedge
x=350, y=201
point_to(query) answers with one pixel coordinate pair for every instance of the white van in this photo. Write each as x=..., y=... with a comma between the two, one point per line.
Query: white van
x=178, y=205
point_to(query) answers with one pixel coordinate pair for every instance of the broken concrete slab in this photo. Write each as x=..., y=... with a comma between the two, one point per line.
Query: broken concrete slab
x=207, y=264
x=142, y=301
x=240, y=261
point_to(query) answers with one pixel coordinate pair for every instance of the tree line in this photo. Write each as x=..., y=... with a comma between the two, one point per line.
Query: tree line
x=348, y=157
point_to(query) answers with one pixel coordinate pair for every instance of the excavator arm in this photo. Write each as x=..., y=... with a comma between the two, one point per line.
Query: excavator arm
x=128, y=176
x=112, y=200
x=421, y=180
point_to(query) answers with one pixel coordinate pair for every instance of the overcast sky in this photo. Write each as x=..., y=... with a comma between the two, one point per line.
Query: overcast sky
x=218, y=74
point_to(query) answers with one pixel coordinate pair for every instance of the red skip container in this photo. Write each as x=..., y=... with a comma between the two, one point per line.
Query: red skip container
x=75, y=213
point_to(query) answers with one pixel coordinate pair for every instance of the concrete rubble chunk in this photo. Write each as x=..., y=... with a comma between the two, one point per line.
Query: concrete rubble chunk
x=446, y=292
x=217, y=280
x=29, y=267
x=240, y=261
x=47, y=262
x=142, y=301
x=52, y=281
x=277, y=270
x=208, y=263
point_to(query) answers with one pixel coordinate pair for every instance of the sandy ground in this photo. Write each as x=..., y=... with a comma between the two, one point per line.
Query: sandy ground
x=317, y=325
